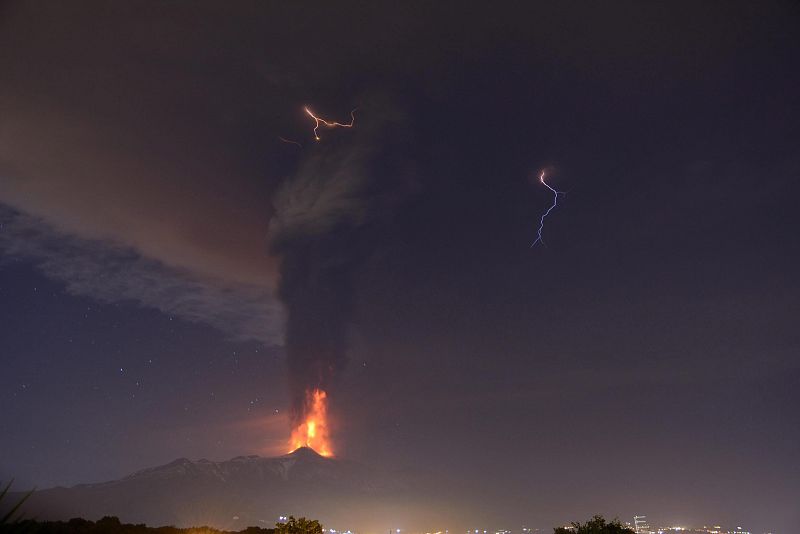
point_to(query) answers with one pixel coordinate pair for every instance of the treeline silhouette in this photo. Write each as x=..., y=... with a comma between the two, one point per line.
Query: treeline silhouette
x=111, y=525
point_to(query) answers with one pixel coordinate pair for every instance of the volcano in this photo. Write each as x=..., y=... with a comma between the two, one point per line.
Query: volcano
x=233, y=494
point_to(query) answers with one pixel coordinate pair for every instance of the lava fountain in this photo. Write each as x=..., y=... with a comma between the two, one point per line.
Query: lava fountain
x=313, y=431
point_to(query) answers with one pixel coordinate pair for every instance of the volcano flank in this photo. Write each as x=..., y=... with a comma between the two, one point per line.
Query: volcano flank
x=240, y=492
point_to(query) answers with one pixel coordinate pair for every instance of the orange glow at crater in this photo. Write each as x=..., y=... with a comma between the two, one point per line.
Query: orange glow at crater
x=313, y=431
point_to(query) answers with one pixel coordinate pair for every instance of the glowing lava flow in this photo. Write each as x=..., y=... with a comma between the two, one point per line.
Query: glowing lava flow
x=546, y=213
x=319, y=121
x=313, y=431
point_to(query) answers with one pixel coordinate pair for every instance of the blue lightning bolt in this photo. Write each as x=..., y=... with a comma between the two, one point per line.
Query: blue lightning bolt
x=546, y=213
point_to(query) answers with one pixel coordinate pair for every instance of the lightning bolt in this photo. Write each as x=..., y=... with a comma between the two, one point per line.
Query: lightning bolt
x=546, y=213
x=289, y=141
x=320, y=121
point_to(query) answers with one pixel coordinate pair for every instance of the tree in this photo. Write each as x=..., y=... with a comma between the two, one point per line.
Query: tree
x=298, y=526
x=11, y=517
x=596, y=525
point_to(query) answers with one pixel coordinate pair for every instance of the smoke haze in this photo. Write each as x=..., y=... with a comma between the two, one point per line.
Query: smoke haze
x=317, y=231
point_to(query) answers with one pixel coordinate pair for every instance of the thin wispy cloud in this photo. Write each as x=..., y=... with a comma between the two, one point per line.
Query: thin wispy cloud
x=111, y=273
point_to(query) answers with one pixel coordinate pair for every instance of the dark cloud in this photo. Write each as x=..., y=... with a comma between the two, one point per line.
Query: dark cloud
x=120, y=178
x=113, y=273
x=94, y=208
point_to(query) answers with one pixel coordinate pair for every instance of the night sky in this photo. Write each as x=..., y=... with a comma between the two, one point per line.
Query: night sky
x=155, y=232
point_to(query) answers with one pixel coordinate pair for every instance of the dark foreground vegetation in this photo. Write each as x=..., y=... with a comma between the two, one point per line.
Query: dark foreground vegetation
x=110, y=525
x=596, y=525
x=11, y=515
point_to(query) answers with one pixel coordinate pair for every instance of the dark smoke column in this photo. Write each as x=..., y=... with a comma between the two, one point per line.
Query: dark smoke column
x=316, y=289
x=320, y=233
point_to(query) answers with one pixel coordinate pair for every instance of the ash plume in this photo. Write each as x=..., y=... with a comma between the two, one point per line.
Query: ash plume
x=322, y=230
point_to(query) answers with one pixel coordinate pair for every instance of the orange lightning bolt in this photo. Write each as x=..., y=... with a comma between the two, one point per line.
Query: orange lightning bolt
x=289, y=141
x=320, y=121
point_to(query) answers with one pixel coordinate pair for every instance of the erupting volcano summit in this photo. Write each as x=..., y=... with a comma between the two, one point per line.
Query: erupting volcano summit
x=313, y=431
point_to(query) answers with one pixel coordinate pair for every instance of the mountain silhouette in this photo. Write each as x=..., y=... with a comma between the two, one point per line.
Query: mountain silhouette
x=233, y=494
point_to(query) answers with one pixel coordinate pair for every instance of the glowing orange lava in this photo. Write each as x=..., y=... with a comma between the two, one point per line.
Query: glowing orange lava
x=313, y=431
